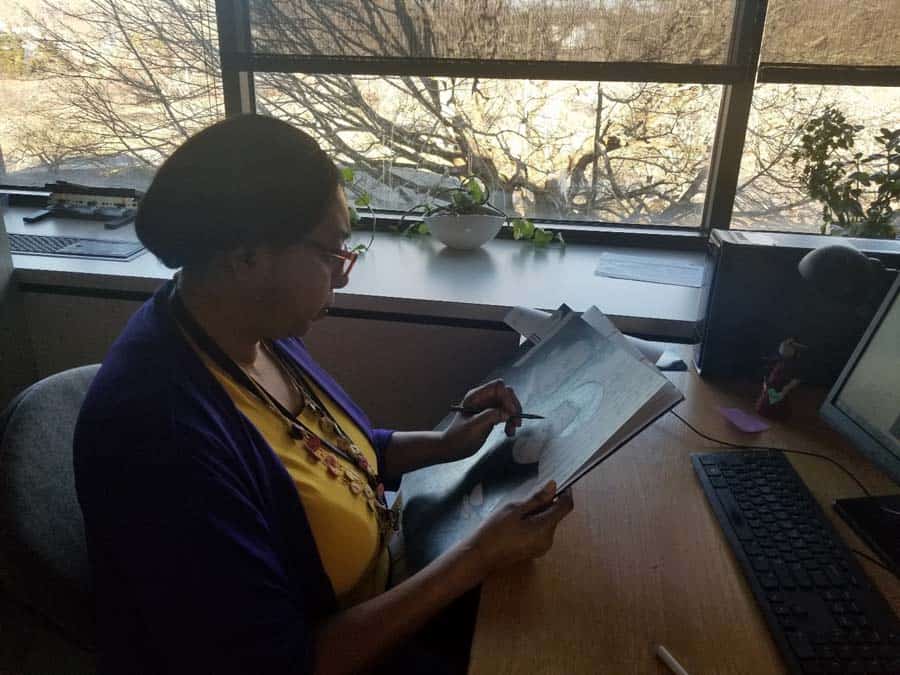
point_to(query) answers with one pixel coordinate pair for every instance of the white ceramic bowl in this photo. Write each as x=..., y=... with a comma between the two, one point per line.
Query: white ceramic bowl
x=464, y=232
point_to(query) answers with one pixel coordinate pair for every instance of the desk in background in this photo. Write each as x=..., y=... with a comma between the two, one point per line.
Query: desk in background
x=642, y=560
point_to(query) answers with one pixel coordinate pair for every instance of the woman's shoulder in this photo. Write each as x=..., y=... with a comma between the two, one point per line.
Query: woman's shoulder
x=146, y=424
x=152, y=385
x=140, y=373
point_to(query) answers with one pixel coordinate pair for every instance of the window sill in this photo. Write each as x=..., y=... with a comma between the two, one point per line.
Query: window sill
x=414, y=280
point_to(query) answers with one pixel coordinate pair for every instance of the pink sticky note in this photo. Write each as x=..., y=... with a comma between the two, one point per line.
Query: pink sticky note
x=744, y=421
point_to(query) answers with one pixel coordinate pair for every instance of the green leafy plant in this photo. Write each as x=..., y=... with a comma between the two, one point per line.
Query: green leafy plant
x=524, y=229
x=858, y=192
x=361, y=199
x=470, y=197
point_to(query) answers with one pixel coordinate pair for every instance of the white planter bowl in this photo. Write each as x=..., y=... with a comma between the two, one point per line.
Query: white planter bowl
x=464, y=232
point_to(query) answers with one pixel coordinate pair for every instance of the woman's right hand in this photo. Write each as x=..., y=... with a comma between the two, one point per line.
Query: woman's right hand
x=521, y=530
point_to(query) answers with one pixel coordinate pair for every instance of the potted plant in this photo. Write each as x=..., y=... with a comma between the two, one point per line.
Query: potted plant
x=858, y=192
x=465, y=219
x=361, y=199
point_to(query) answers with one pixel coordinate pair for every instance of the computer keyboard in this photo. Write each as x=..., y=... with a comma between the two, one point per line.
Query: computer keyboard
x=39, y=244
x=823, y=612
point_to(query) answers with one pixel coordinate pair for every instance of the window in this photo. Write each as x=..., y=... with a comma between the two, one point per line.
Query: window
x=677, y=113
x=770, y=195
x=832, y=32
x=814, y=56
x=523, y=31
x=100, y=92
x=617, y=152
x=567, y=109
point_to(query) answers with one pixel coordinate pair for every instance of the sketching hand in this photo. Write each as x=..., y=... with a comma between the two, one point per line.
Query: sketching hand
x=466, y=433
x=521, y=530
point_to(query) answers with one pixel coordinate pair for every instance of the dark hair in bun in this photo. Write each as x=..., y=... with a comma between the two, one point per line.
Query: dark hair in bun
x=246, y=181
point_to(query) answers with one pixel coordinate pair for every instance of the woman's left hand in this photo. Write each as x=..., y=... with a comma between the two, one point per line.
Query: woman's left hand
x=467, y=433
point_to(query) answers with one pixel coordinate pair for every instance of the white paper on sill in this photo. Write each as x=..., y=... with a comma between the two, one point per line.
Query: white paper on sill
x=535, y=324
x=620, y=266
x=651, y=351
x=527, y=322
x=758, y=239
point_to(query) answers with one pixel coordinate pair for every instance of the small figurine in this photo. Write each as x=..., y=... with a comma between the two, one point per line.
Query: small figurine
x=773, y=400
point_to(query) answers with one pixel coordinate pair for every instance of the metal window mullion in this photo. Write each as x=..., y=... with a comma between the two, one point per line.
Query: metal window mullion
x=734, y=114
x=810, y=73
x=233, y=19
x=500, y=69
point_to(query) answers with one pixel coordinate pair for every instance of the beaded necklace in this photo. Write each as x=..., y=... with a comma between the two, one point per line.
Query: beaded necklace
x=318, y=449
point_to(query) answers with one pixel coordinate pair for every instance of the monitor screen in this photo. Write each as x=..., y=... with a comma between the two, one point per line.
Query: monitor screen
x=864, y=403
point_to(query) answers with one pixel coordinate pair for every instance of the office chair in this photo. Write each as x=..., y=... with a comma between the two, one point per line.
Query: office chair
x=44, y=571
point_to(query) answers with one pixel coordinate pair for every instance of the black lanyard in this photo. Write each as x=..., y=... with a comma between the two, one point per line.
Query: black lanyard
x=209, y=347
x=388, y=519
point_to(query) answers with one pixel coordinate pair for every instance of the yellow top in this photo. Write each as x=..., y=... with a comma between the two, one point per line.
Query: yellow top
x=343, y=525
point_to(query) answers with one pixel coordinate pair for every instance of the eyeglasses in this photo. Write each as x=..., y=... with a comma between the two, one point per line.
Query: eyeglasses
x=339, y=256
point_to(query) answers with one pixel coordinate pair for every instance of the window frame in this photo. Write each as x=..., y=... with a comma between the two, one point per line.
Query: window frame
x=738, y=75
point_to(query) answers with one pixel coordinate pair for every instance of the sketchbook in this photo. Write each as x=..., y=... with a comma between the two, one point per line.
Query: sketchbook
x=596, y=391
x=533, y=324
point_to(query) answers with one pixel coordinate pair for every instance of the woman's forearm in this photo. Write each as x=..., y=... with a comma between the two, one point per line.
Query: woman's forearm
x=356, y=638
x=411, y=450
x=495, y=404
x=517, y=531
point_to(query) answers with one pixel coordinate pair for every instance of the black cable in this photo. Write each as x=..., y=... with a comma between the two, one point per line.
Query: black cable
x=701, y=434
x=797, y=452
x=771, y=449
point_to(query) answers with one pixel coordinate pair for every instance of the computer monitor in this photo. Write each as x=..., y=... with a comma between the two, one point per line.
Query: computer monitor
x=864, y=405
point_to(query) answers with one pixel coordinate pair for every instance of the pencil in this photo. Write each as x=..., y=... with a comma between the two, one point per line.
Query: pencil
x=670, y=661
x=472, y=411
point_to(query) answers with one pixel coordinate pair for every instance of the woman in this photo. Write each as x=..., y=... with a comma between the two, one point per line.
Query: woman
x=232, y=492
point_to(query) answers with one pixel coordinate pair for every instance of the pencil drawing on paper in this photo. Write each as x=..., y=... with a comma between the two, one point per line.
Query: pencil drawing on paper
x=586, y=387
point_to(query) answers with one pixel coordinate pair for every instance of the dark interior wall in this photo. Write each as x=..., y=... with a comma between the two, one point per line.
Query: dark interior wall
x=17, y=367
x=403, y=375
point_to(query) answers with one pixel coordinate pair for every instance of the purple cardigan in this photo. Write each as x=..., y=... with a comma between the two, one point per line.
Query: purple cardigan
x=202, y=555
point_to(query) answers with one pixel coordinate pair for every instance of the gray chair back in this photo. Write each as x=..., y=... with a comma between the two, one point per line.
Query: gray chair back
x=43, y=555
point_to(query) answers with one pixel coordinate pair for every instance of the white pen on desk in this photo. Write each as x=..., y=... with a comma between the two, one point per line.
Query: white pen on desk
x=670, y=661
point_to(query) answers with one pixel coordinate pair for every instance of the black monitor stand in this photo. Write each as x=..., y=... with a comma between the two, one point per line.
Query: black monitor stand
x=877, y=521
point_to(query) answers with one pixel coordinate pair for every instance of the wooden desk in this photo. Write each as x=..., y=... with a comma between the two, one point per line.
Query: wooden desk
x=642, y=560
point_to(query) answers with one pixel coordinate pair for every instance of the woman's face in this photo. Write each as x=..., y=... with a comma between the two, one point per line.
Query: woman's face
x=299, y=280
